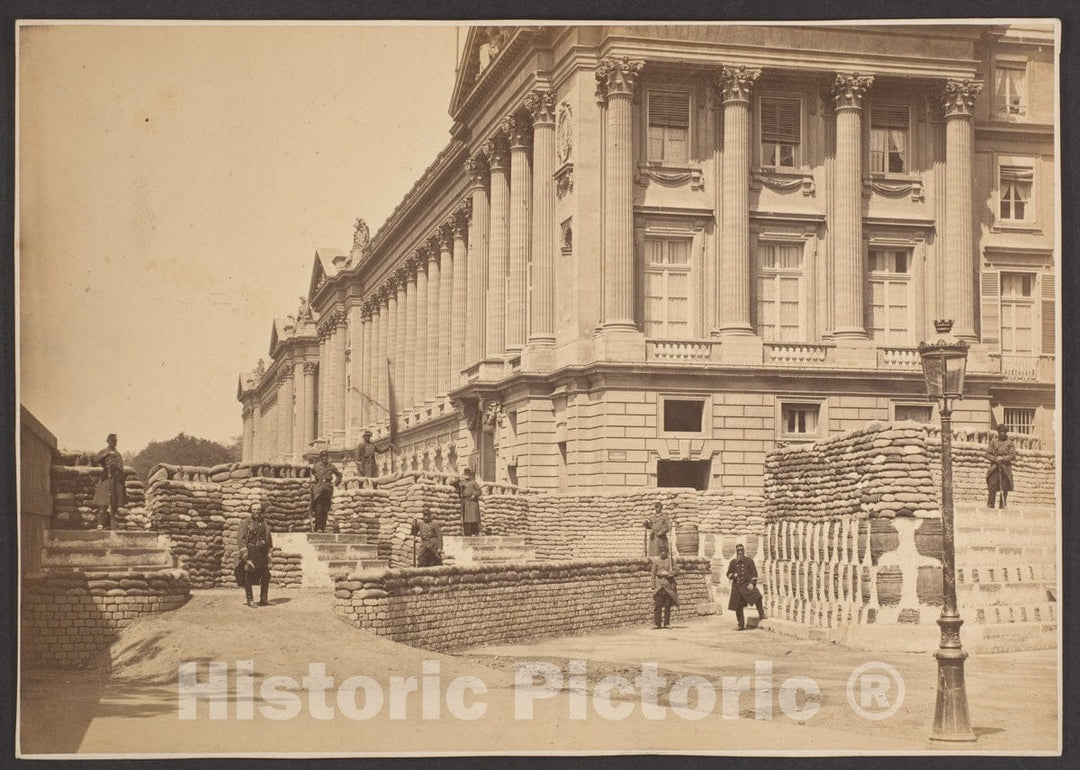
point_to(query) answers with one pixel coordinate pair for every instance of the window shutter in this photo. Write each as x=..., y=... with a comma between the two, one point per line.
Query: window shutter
x=780, y=120
x=1016, y=174
x=669, y=108
x=889, y=116
x=991, y=307
x=1049, y=329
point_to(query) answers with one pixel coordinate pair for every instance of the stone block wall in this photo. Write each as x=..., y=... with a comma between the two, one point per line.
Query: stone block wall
x=451, y=607
x=71, y=617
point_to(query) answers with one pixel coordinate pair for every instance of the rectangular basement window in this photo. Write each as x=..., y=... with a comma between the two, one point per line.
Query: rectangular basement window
x=683, y=416
x=683, y=473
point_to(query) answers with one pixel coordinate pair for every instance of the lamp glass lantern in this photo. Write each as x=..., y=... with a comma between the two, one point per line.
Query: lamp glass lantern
x=944, y=363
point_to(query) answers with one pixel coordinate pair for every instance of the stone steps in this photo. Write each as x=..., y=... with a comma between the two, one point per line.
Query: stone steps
x=335, y=538
x=488, y=549
x=346, y=550
x=354, y=565
x=105, y=550
x=324, y=554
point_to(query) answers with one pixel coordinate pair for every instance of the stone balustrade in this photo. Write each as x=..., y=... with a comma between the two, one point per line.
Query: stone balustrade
x=679, y=351
x=899, y=358
x=791, y=354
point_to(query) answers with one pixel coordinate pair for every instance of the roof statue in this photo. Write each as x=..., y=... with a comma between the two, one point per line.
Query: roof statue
x=361, y=239
x=303, y=313
x=260, y=368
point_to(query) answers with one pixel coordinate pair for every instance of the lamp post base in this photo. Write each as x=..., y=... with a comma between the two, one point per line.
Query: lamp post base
x=951, y=719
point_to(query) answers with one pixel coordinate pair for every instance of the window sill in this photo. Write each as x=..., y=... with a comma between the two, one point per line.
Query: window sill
x=1010, y=226
x=892, y=185
x=783, y=179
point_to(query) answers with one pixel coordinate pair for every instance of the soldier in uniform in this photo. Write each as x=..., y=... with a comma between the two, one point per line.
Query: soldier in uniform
x=999, y=479
x=254, y=543
x=109, y=493
x=659, y=525
x=470, y=496
x=744, y=591
x=366, y=452
x=665, y=592
x=323, y=475
x=430, y=535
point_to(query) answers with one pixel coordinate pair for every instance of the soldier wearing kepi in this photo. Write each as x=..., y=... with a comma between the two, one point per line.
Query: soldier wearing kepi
x=254, y=543
x=366, y=456
x=470, y=496
x=744, y=591
x=431, y=543
x=323, y=475
x=109, y=494
x=999, y=479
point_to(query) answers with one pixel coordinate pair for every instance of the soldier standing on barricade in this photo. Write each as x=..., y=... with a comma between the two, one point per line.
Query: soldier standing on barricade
x=323, y=475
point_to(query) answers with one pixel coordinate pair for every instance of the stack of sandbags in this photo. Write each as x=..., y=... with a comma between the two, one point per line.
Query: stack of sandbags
x=732, y=513
x=285, y=570
x=189, y=512
x=357, y=510
x=73, y=496
x=881, y=471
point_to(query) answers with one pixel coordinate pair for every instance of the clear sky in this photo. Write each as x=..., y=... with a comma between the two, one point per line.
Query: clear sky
x=175, y=182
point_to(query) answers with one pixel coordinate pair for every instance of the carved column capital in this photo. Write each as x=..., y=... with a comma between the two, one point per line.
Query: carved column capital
x=736, y=84
x=496, y=151
x=617, y=77
x=518, y=130
x=459, y=220
x=446, y=232
x=247, y=411
x=433, y=245
x=285, y=373
x=541, y=107
x=850, y=89
x=958, y=98
x=476, y=168
x=311, y=367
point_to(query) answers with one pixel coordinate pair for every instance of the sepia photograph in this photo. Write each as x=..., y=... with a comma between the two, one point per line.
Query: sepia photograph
x=443, y=388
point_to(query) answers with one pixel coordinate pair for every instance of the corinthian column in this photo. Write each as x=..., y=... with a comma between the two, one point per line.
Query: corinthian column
x=517, y=129
x=247, y=445
x=389, y=347
x=478, y=258
x=400, y=368
x=376, y=411
x=365, y=395
x=541, y=107
x=323, y=429
x=499, y=246
x=617, y=80
x=337, y=400
x=732, y=303
x=420, y=347
x=430, y=351
x=461, y=294
x=408, y=383
x=285, y=399
x=445, y=320
x=959, y=99
x=849, y=276
x=299, y=411
x=311, y=370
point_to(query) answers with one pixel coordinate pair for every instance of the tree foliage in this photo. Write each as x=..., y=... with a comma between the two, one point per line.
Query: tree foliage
x=183, y=450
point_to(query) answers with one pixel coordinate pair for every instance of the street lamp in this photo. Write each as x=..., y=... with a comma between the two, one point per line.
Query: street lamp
x=944, y=361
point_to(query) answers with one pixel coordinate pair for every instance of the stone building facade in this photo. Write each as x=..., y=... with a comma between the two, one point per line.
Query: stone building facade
x=649, y=254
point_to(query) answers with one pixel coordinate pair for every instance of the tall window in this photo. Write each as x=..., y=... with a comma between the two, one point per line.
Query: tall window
x=1010, y=87
x=1014, y=184
x=780, y=132
x=669, y=126
x=1017, y=313
x=889, y=138
x=889, y=296
x=667, y=288
x=779, y=292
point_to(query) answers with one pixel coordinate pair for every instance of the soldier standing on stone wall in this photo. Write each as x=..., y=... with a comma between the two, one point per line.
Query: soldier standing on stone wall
x=109, y=494
x=366, y=459
x=323, y=475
